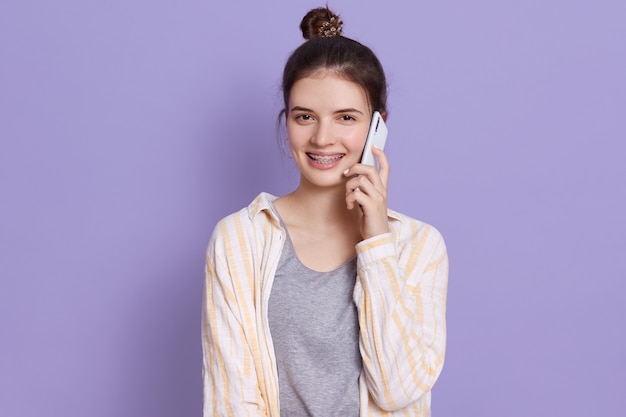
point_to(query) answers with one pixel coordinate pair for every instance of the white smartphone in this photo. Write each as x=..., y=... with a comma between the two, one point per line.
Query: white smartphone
x=377, y=136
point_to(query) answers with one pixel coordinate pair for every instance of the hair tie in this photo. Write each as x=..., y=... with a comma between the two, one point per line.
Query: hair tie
x=331, y=28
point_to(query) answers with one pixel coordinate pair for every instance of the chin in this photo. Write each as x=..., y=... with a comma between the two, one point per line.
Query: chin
x=323, y=181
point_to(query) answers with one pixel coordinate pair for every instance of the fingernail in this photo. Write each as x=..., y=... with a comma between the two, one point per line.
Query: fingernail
x=346, y=171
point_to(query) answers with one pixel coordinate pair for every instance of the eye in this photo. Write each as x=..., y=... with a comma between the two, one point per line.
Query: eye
x=347, y=118
x=304, y=117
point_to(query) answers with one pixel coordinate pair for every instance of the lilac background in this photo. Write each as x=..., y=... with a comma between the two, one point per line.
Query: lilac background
x=128, y=128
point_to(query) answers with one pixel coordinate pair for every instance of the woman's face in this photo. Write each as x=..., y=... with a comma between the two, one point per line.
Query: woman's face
x=327, y=123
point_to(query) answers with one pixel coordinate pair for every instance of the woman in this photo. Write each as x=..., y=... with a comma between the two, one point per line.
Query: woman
x=324, y=302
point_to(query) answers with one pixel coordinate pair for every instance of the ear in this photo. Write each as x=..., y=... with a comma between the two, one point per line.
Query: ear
x=383, y=114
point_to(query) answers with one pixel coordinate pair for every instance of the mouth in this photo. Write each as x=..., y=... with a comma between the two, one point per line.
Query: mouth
x=325, y=159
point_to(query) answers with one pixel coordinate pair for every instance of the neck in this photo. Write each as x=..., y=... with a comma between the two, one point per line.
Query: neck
x=324, y=207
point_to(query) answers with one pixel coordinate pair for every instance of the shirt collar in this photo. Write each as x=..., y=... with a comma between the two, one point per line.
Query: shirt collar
x=263, y=202
x=394, y=215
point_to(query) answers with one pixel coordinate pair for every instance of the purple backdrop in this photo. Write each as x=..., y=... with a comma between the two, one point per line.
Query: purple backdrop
x=130, y=127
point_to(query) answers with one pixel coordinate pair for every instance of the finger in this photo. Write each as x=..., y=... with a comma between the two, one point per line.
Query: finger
x=362, y=192
x=383, y=163
x=369, y=195
x=367, y=171
x=359, y=169
x=356, y=198
x=361, y=182
x=351, y=197
x=378, y=178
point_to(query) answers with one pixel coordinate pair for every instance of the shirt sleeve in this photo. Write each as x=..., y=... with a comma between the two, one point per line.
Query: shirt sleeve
x=230, y=379
x=401, y=301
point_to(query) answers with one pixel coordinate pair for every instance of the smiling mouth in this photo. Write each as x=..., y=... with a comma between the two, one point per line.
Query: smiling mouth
x=325, y=159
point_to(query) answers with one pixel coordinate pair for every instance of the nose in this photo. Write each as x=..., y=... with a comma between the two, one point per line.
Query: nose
x=323, y=135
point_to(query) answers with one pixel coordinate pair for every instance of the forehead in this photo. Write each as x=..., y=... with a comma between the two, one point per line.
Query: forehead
x=328, y=91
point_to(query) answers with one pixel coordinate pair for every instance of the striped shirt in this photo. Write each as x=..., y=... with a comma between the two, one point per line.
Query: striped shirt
x=400, y=295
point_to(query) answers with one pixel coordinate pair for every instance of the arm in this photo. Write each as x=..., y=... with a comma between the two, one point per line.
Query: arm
x=400, y=296
x=231, y=383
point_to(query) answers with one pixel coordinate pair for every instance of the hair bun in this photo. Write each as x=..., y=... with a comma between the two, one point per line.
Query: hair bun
x=321, y=22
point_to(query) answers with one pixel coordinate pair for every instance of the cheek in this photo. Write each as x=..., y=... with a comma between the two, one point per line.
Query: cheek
x=298, y=134
x=293, y=135
x=296, y=138
x=356, y=139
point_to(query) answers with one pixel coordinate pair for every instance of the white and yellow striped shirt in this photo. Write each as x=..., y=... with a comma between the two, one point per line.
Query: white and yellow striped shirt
x=400, y=294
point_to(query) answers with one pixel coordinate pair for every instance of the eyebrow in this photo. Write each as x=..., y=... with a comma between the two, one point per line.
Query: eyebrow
x=348, y=110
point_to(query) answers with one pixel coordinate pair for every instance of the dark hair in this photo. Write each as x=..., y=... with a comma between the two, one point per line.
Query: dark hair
x=326, y=49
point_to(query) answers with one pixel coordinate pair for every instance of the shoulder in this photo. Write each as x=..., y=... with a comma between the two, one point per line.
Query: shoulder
x=415, y=233
x=239, y=227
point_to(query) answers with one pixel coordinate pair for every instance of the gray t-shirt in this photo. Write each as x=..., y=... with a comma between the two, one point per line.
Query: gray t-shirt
x=314, y=326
